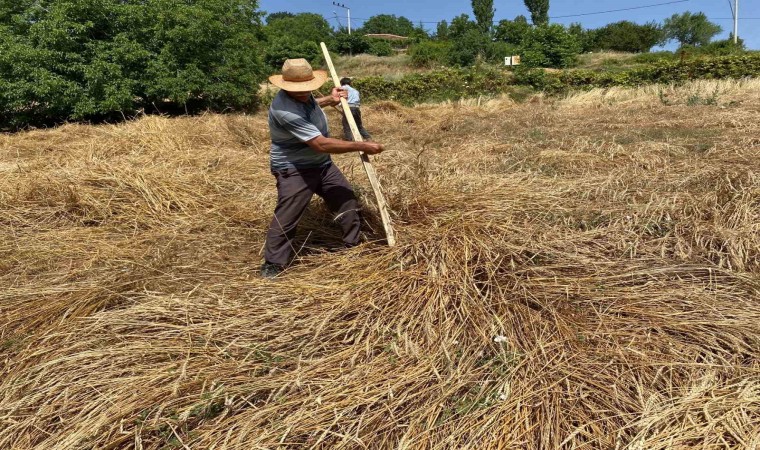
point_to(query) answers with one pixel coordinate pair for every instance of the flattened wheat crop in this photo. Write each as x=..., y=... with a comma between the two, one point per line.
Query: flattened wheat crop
x=576, y=273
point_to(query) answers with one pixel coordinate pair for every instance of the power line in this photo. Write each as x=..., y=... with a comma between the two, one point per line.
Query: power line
x=570, y=15
x=618, y=10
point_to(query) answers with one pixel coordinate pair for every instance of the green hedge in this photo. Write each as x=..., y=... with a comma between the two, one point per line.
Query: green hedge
x=662, y=72
x=439, y=85
x=453, y=84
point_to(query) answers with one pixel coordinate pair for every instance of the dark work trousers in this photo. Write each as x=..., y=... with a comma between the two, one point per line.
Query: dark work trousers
x=295, y=188
x=357, y=113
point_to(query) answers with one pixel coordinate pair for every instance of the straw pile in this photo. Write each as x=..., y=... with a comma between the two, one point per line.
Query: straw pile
x=582, y=273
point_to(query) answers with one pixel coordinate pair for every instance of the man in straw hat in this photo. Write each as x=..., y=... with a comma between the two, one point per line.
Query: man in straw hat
x=301, y=164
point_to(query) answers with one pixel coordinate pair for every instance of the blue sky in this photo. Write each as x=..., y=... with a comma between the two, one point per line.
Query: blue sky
x=436, y=10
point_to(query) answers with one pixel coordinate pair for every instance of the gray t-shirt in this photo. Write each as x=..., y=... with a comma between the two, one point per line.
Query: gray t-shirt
x=291, y=124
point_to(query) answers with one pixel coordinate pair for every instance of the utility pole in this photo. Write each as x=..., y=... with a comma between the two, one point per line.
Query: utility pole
x=736, y=21
x=348, y=12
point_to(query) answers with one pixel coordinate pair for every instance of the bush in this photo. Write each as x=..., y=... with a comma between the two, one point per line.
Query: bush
x=466, y=48
x=445, y=84
x=346, y=44
x=586, y=38
x=718, y=48
x=379, y=47
x=550, y=46
x=453, y=84
x=661, y=72
x=496, y=51
x=654, y=57
x=430, y=53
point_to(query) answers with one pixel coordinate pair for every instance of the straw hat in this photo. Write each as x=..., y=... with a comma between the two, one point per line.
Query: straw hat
x=297, y=76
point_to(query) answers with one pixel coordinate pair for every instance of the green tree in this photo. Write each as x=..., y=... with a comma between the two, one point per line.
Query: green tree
x=484, y=12
x=627, y=36
x=418, y=34
x=295, y=36
x=460, y=25
x=84, y=59
x=379, y=47
x=304, y=27
x=388, y=24
x=350, y=43
x=430, y=53
x=512, y=31
x=467, y=47
x=279, y=15
x=690, y=29
x=550, y=46
x=442, y=31
x=539, y=11
x=586, y=38
x=280, y=49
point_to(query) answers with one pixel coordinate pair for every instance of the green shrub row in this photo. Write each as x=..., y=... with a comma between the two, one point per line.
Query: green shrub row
x=439, y=85
x=453, y=84
x=661, y=72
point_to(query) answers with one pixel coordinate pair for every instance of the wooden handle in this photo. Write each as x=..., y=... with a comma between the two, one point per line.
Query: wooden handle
x=371, y=174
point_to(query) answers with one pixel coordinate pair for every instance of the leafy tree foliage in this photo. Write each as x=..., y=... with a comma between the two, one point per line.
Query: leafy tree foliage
x=539, y=11
x=690, y=29
x=430, y=53
x=303, y=27
x=586, y=38
x=388, y=23
x=467, y=47
x=356, y=43
x=350, y=43
x=442, y=31
x=460, y=25
x=627, y=36
x=550, y=46
x=512, y=31
x=418, y=34
x=278, y=50
x=295, y=36
x=81, y=59
x=379, y=47
x=279, y=15
x=484, y=11
x=724, y=47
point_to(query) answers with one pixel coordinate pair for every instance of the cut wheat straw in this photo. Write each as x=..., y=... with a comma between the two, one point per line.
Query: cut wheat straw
x=573, y=274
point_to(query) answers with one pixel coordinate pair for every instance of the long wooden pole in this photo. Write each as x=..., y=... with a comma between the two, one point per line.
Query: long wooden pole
x=371, y=174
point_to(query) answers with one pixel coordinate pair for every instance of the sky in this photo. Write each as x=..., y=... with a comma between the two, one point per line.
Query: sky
x=719, y=11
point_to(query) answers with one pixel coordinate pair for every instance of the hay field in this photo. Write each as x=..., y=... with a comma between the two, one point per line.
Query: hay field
x=580, y=273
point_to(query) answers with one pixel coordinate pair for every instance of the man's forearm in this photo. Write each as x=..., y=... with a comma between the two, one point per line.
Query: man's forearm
x=336, y=146
x=328, y=100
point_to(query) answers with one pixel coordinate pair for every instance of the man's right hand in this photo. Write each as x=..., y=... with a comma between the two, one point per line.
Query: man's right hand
x=372, y=148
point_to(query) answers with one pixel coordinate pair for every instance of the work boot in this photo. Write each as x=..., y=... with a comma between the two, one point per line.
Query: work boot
x=271, y=270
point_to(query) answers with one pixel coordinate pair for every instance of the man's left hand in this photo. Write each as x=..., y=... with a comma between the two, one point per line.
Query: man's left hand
x=338, y=93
